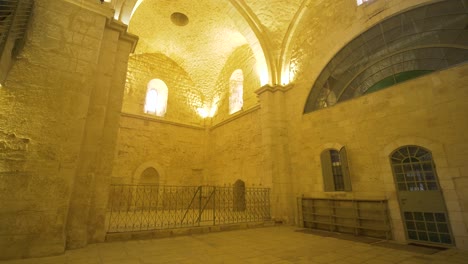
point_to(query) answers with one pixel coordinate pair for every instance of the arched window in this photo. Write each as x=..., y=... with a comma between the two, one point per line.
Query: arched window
x=420, y=197
x=236, y=91
x=414, y=169
x=156, y=98
x=335, y=170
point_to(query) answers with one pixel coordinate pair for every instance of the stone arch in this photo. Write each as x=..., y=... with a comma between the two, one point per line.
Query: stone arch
x=329, y=145
x=286, y=74
x=149, y=176
x=149, y=172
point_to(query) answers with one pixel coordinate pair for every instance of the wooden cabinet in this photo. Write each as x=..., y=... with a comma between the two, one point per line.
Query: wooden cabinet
x=359, y=217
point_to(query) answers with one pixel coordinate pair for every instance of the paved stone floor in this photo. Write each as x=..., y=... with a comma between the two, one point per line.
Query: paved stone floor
x=283, y=244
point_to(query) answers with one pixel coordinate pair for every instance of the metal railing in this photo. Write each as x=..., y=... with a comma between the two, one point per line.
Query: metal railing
x=14, y=17
x=151, y=207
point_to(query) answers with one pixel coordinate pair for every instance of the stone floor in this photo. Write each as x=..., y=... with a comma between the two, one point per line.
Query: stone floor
x=279, y=244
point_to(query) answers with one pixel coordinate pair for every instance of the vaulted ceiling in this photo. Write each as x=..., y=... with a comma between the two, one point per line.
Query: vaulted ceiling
x=214, y=30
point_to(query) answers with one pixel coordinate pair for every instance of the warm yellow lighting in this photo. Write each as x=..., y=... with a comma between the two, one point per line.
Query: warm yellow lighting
x=209, y=111
x=202, y=112
x=213, y=110
x=285, y=78
x=236, y=93
x=126, y=19
x=360, y=2
x=262, y=71
x=289, y=74
x=156, y=98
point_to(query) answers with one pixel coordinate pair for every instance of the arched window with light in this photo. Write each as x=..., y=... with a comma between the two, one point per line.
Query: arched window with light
x=156, y=98
x=360, y=2
x=236, y=91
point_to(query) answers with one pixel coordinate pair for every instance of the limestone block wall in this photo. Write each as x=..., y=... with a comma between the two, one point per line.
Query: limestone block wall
x=44, y=106
x=45, y=117
x=175, y=150
x=235, y=152
x=376, y=123
x=241, y=58
x=184, y=96
x=429, y=111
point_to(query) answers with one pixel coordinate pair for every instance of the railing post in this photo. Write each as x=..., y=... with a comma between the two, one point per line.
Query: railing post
x=214, y=205
x=200, y=205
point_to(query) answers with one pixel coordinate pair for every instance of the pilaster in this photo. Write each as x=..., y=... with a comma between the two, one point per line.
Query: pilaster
x=276, y=164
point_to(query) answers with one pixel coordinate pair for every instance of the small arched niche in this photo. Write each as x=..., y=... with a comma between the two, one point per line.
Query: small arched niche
x=149, y=176
x=238, y=193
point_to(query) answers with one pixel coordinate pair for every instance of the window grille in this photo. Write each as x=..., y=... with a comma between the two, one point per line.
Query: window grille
x=14, y=18
x=414, y=169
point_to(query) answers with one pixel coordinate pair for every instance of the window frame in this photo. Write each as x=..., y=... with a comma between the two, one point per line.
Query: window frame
x=159, y=105
x=236, y=94
x=335, y=170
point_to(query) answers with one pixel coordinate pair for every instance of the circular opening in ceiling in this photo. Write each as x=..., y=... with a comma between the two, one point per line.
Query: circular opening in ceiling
x=179, y=19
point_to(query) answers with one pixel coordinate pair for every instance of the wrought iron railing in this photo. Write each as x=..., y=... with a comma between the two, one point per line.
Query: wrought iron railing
x=14, y=17
x=151, y=207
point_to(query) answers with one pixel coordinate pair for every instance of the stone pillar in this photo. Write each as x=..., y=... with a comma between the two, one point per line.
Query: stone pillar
x=276, y=164
x=86, y=216
x=126, y=44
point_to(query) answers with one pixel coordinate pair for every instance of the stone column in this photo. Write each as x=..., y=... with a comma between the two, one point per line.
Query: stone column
x=275, y=148
x=125, y=45
x=86, y=216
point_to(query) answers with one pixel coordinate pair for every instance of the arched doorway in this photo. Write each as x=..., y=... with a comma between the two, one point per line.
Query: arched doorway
x=239, y=196
x=420, y=197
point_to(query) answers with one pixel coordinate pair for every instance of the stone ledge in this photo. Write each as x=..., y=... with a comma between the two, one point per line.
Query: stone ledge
x=164, y=233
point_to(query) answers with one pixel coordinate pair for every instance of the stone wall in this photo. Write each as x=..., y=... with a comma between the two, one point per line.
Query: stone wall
x=48, y=108
x=235, y=151
x=429, y=111
x=184, y=96
x=242, y=58
x=175, y=150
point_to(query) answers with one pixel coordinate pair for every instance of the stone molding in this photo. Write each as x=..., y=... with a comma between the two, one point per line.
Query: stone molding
x=236, y=116
x=274, y=88
x=123, y=34
x=157, y=120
